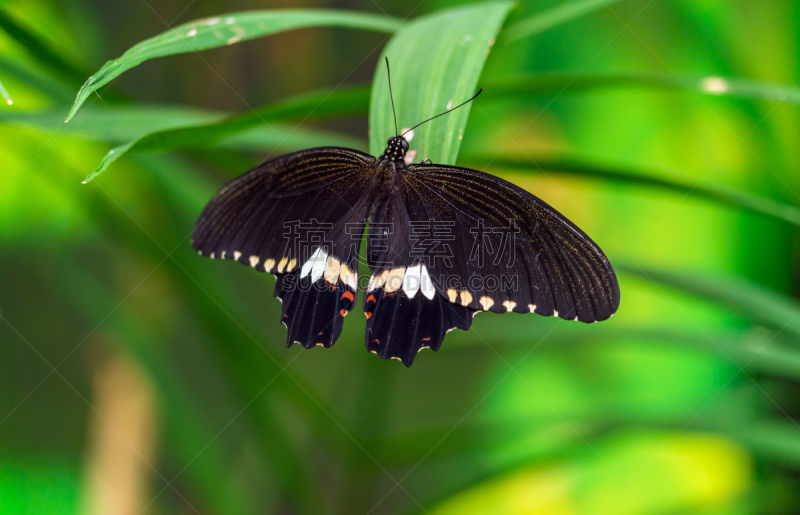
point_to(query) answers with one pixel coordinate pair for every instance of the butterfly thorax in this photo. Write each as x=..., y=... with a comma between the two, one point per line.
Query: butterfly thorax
x=396, y=149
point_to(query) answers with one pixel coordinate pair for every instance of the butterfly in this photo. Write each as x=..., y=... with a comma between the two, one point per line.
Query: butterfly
x=443, y=243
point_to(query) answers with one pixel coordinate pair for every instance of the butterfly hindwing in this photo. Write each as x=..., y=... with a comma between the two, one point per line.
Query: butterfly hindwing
x=405, y=313
x=315, y=301
x=399, y=326
x=300, y=217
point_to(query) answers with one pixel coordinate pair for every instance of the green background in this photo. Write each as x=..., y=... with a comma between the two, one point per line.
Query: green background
x=137, y=377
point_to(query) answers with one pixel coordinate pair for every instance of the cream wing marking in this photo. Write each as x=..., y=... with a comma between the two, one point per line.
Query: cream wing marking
x=348, y=277
x=410, y=280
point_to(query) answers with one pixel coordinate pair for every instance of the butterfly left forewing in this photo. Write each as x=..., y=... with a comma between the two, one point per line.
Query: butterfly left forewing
x=299, y=217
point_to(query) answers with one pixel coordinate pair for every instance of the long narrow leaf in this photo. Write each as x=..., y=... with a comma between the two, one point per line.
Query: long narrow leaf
x=754, y=302
x=344, y=102
x=39, y=49
x=119, y=125
x=5, y=95
x=557, y=15
x=543, y=83
x=311, y=106
x=436, y=61
x=227, y=29
x=679, y=184
x=113, y=124
x=36, y=79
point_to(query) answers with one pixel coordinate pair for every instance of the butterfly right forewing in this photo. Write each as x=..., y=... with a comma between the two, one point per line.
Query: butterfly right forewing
x=538, y=260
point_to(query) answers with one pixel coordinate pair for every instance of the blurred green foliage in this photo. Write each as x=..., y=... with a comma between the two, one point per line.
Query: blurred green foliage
x=666, y=130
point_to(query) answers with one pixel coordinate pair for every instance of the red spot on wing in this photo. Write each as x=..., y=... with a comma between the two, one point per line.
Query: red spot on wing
x=367, y=314
x=347, y=295
x=343, y=312
x=371, y=298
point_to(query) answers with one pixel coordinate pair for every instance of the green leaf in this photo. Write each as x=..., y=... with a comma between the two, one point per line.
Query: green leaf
x=309, y=106
x=754, y=302
x=36, y=79
x=113, y=124
x=436, y=62
x=557, y=15
x=123, y=124
x=289, y=138
x=228, y=29
x=40, y=49
x=542, y=83
x=5, y=95
x=671, y=181
x=341, y=102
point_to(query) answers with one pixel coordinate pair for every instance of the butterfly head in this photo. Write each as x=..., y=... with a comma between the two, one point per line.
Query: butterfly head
x=396, y=148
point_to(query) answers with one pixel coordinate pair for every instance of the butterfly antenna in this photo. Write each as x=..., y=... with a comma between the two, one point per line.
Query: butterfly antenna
x=448, y=111
x=389, y=76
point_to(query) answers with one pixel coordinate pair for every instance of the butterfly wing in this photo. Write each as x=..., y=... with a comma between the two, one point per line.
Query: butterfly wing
x=405, y=314
x=510, y=250
x=449, y=242
x=301, y=217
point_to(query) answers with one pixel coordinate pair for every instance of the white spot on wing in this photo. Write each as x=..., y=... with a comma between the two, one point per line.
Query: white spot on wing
x=509, y=304
x=426, y=285
x=318, y=266
x=253, y=261
x=411, y=281
x=237, y=255
x=308, y=265
x=486, y=303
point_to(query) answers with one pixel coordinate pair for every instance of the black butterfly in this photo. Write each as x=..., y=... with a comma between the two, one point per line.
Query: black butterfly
x=443, y=244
